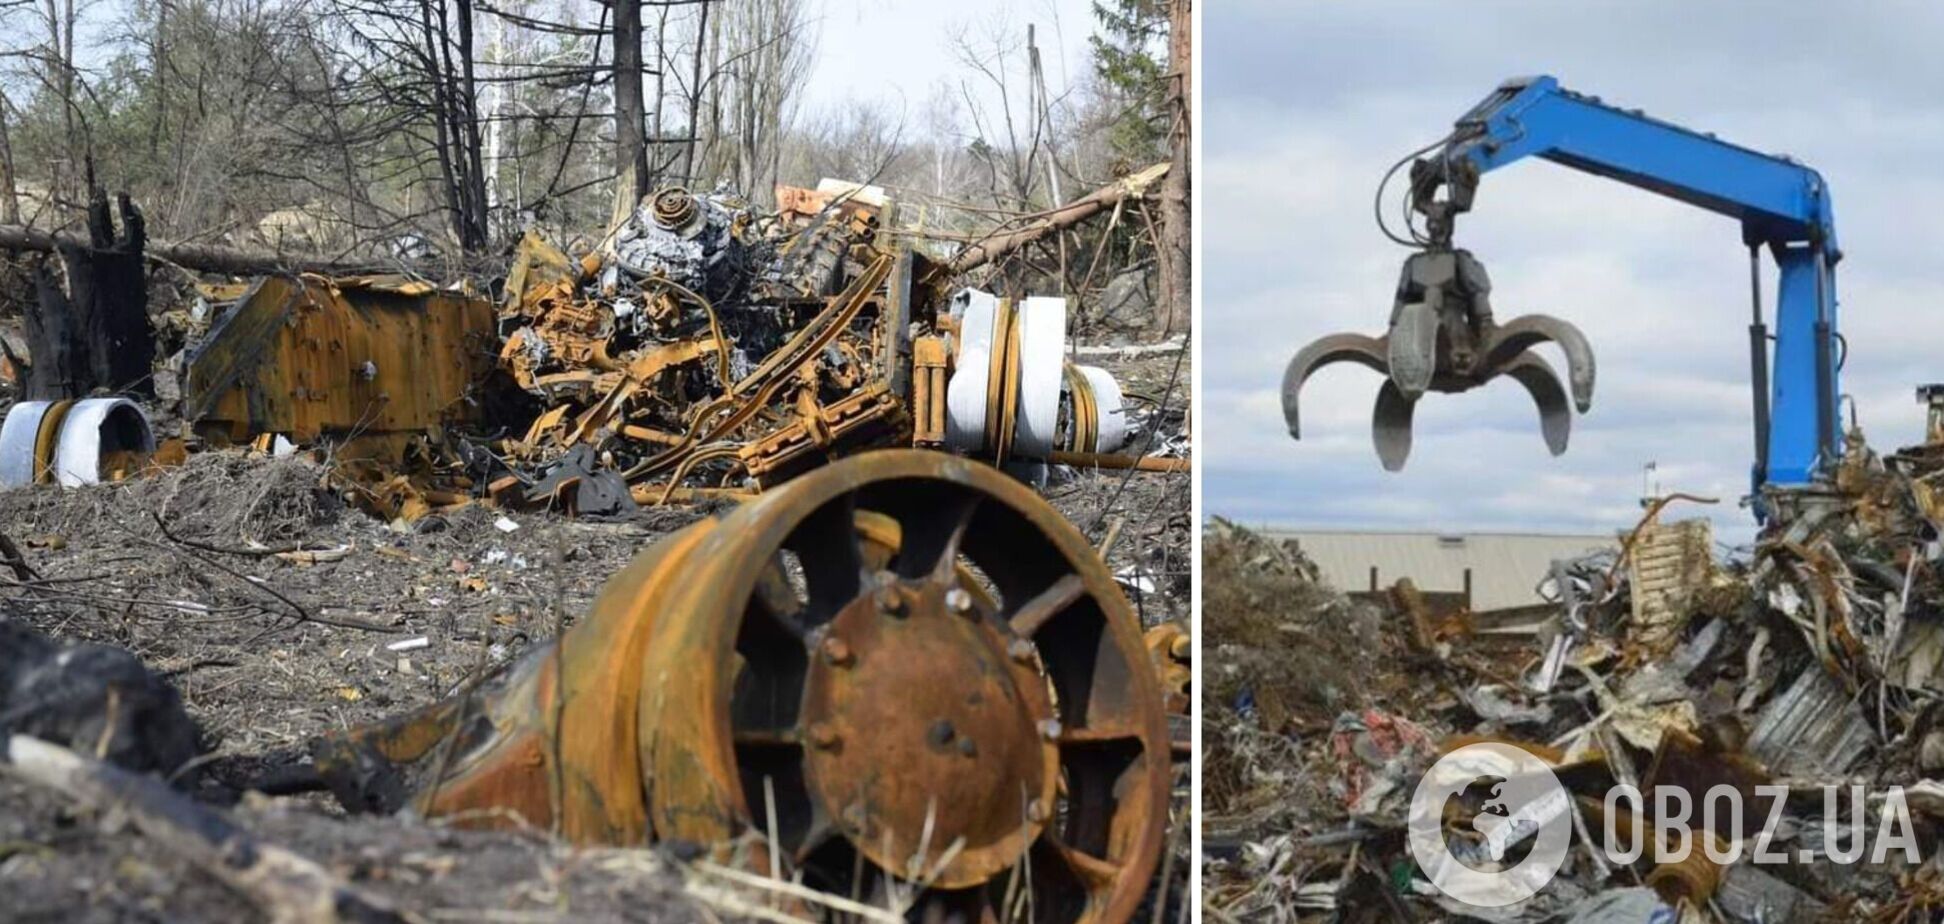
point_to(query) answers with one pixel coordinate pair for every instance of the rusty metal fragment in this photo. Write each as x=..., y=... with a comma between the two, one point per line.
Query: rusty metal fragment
x=309, y=357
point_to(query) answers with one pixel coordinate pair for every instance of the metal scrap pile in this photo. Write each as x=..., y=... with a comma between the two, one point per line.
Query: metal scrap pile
x=702, y=348
x=1816, y=659
x=709, y=347
x=758, y=691
x=703, y=344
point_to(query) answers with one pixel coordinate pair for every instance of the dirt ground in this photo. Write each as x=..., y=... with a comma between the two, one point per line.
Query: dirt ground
x=268, y=653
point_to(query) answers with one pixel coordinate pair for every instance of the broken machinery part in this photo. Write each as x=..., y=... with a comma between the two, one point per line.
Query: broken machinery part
x=900, y=667
x=1013, y=394
x=383, y=358
x=707, y=343
x=1171, y=650
x=72, y=442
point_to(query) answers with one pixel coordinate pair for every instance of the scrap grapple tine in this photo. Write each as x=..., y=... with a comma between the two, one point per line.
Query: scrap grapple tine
x=1413, y=348
x=1390, y=425
x=1515, y=337
x=1555, y=421
x=1358, y=348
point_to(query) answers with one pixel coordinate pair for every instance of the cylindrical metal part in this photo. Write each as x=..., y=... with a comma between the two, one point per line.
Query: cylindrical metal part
x=1825, y=364
x=1112, y=460
x=1758, y=368
x=921, y=402
x=938, y=404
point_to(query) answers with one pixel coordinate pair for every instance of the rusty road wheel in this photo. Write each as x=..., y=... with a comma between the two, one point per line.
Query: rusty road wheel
x=915, y=679
x=903, y=676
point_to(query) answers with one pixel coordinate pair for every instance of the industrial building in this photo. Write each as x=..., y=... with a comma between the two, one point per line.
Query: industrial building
x=1494, y=570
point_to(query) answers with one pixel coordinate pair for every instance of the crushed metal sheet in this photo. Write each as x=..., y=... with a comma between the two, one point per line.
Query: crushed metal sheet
x=1814, y=728
x=308, y=357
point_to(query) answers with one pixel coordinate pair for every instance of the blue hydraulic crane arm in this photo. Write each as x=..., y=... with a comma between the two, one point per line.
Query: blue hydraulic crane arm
x=1776, y=199
x=1781, y=204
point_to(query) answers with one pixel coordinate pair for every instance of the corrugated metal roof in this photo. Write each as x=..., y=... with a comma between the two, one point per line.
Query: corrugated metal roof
x=1506, y=567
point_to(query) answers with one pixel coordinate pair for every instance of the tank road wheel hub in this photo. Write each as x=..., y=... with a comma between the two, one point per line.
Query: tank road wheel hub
x=927, y=723
x=929, y=681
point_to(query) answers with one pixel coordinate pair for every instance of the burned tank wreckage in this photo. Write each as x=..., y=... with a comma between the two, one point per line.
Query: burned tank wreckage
x=706, y=348
x=702, y=348
x=761, y=687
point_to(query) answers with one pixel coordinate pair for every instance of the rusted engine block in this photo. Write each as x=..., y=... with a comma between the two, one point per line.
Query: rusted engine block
x=705, y=345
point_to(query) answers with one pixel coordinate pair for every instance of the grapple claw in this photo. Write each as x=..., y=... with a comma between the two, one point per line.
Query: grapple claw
x=1442, y=338
x=1357, y=348
x=1390, y=425
x=1555, y=421
x=1514, y=337
x=1413, y=348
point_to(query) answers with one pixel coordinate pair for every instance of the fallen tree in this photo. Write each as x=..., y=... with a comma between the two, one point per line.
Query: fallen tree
x=207, y=258
x=1132, y=186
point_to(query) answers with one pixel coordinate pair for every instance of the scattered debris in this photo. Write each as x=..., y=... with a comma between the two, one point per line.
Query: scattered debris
x=1810, y=659
x=703, y=350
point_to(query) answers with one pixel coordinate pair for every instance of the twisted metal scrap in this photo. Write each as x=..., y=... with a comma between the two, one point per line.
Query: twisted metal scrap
x=1442, y=338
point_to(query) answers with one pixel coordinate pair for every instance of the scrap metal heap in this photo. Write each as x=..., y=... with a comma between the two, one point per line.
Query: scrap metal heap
x=702, y=342
x=702, y=348
x=1817, y=657
x=707, y=347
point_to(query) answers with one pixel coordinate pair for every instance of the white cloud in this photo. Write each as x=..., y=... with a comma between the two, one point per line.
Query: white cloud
x=893, y=52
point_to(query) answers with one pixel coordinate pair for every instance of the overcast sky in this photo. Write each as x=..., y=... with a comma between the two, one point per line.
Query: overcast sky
x=1307, y=103
x=896, y=51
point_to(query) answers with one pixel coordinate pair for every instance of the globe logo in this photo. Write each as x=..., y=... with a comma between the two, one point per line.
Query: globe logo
x=1522, y=802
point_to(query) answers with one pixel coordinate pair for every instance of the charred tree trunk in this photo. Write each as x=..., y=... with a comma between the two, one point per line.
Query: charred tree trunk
x=1176, y=269
x=630, y=113
x=478, y=213
x=9, y=190
x=702, y=43
x=94, y=334
x=455, y=119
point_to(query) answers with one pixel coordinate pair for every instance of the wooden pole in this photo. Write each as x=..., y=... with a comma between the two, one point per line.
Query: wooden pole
x=1065, y=216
